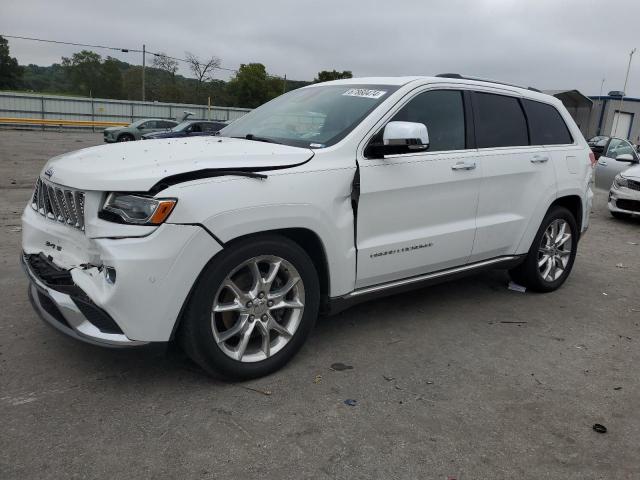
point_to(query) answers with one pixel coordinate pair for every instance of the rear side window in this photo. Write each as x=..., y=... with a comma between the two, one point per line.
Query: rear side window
x=442, y=111
x=546, y=124
x=499, y=121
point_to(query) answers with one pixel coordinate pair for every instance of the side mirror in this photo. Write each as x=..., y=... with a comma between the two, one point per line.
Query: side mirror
x=626, y=157
x=398, y=138
x=412, y=135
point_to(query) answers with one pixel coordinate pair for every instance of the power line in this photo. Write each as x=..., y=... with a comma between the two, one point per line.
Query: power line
x=118, y=49
x=72, y=43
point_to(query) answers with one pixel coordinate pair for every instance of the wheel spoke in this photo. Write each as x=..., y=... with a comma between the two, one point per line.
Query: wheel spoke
x=256, y=285
x=563, y=239
x=550, y=234
x=228, y=307
x=234, y=330
x=280, y=329
x=244, y=340
x=266, y=338
x=231, y=285
x=295, y=304
x=547, y=270
x=543, y=261
x=281, y=292
x=561, y=232
x=274, y=268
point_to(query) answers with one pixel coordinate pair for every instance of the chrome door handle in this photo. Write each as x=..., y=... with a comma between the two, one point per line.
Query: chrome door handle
x=539, y=159
x=463, y=166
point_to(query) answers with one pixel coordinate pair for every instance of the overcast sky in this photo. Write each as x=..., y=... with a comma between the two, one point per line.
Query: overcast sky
x=549, y=44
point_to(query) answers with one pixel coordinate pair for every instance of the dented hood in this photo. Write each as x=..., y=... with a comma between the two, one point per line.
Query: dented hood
x=138, y=166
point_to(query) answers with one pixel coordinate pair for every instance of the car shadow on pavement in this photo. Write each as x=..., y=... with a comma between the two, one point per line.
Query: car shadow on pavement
x=166, y=363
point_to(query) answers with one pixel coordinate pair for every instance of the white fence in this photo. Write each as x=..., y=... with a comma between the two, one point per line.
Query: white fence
x=24, y=105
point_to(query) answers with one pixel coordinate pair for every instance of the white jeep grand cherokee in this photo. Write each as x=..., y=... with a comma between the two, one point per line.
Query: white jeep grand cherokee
x=323, y=197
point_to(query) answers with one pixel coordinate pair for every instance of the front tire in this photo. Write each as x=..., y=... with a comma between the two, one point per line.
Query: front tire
x=552, y=253
x=125, y=137
x=620, y=215
x=252, y=309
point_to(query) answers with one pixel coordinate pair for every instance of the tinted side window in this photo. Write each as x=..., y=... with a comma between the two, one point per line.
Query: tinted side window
x=166, y=125
x=442, y=111
x=499, y=121
x=546, y=125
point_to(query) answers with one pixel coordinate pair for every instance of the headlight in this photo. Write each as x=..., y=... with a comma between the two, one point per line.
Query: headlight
x=136, y=209
x=620, y=181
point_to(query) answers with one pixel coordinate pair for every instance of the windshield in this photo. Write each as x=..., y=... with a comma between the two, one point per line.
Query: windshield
x=136, y=124
x=181, y=126
x=313, y=117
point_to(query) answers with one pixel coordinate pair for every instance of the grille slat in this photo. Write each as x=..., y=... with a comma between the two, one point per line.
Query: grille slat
x=633, y=185
x=60, y=204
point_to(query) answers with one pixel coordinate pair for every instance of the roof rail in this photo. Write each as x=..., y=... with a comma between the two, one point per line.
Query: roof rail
x=460, y=77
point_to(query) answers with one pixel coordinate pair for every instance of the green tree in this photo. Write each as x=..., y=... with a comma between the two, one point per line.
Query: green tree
x=252, y=87
x=85, y=71
x=10, y=71
x=110, y=85
x=326, y=75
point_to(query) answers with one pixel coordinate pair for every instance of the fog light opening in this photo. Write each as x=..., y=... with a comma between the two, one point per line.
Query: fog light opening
x=110, y=275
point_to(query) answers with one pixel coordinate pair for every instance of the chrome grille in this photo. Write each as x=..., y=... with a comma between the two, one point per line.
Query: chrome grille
x=60, y=204
x=633, y=185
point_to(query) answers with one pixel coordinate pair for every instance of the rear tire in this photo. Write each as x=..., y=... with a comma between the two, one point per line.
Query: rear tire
x=252, y=308
x=552, y=254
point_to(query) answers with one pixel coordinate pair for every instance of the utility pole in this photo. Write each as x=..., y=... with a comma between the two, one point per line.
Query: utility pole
x=624, y=92
x=284, y=84
x=601, y=102
x=144, y=54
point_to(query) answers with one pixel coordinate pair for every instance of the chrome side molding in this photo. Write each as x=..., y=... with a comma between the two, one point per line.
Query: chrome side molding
x=430, y=276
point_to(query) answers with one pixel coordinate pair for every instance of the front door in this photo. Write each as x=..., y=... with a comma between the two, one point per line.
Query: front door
x=417, y=211
x=608, y=167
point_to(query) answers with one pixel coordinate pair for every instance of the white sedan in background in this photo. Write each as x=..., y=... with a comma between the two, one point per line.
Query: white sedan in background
x=624, y=196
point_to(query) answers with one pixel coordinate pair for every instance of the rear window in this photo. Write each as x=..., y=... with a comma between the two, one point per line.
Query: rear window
x=546, y=124
x=499, y=121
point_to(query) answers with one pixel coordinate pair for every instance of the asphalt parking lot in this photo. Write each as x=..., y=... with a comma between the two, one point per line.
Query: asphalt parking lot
x=467, y=380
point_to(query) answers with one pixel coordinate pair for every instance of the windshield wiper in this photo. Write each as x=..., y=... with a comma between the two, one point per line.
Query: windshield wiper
x=251, y=136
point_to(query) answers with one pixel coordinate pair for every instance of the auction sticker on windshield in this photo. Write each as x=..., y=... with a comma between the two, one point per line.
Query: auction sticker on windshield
x=364, y=92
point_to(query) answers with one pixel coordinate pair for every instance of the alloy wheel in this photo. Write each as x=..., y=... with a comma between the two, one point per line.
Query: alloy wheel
x=555, y=250
x=258, y=308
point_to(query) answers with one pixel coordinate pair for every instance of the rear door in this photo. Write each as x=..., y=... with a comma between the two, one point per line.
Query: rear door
x=417, y=211
x=148, y=127
x=608, y=167
x=517, y=176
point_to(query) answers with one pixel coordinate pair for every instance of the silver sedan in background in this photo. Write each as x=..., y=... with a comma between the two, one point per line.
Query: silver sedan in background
x=617, y=155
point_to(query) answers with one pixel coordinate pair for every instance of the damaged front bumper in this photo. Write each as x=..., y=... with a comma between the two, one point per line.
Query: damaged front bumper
x=119, y=290
x=64, y=306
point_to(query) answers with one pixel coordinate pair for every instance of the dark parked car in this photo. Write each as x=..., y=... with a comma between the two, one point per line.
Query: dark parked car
x=597, y=144
x=188, y=128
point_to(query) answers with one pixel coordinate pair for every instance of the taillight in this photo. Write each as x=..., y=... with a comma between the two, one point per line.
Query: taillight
x=592, y=158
